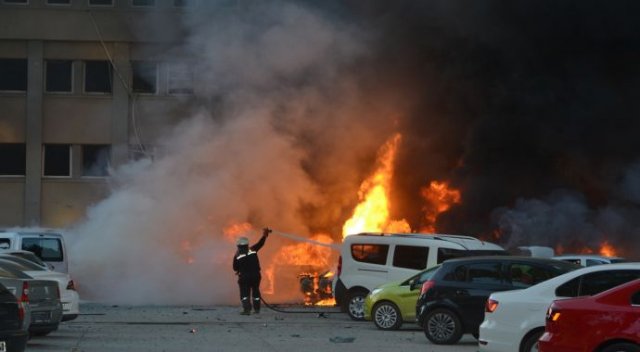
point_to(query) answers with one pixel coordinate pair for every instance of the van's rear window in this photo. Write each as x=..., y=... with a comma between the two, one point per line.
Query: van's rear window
x=48, y=249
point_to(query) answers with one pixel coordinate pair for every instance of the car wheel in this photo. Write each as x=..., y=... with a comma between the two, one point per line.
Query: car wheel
x=622, y=347
x=476, y=335
x=442, y=327
x=531, y=342
x=355, y=304
x=386, y=316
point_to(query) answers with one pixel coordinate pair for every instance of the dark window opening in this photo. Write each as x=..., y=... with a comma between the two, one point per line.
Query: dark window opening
x=5, y=243
x=58, y=2
x=593, y=283
x=17, y=2
x=13, y=74
x=58, y=77
x=57, y=160
x=95, y=160
x=100, y=2
x=145, y=77
x=184, y=3
x=98, y=77
x=410, y=257
x=635, y=299
x=13, y=159
x=370, y=253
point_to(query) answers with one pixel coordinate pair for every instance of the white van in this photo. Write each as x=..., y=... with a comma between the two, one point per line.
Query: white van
x=48, y=245
x=368, y=260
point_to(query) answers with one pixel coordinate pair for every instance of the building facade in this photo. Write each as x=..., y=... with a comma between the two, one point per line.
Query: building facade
x=85, y=86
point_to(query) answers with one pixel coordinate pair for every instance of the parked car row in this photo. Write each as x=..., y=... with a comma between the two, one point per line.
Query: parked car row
x=502, y=300
x=34, y=299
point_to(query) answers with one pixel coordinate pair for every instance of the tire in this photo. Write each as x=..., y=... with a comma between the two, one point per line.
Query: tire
x=386, y=316
x=530, y=343
x=442, y=327
x=476, y=335
x=622, y=347
x=355, y=304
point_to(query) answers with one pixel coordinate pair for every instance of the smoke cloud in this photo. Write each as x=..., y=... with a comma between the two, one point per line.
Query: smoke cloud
x=528, y=108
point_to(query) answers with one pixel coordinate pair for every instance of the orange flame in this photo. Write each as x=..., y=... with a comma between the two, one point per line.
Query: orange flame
x=232, y=231
x=372, y=213
x=607, y=249
x=439, y=198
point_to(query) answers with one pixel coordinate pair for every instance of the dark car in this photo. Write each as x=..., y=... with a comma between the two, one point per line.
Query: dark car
x=452, y=302
x=607, y=322
x=14, y=322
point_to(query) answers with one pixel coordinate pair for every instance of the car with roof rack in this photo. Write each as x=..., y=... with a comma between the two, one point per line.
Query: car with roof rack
x=368, y=260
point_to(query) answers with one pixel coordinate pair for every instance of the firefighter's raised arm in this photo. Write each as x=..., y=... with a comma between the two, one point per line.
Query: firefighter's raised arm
x=265, y=233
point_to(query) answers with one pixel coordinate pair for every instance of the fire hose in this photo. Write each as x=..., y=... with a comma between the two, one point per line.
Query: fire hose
x=321, y=314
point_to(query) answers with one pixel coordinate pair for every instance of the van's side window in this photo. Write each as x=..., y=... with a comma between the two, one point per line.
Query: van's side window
x=48, y=249
x=411, y=257
x=370, y=253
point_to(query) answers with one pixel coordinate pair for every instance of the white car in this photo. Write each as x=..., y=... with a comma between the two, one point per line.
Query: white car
x=589, y=259
x=68, y=295
x=515, y=320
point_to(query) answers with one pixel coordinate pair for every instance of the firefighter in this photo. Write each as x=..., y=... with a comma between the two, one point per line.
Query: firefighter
x=247, y=267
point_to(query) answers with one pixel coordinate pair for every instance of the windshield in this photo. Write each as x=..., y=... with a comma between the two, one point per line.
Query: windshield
x=422, y=276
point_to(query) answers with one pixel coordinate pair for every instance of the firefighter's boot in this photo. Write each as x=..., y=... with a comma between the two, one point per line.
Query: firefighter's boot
x=256, y=305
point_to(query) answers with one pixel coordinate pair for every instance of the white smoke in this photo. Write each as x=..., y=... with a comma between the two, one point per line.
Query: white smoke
x=280, y=116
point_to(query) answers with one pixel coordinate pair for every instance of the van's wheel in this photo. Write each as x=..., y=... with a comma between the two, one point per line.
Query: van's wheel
x=530, y=343
x=355, y=304
x=622, y=347
x=442, y=327
x=386, y=316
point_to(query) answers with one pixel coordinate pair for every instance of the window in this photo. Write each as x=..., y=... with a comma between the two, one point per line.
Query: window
x=458, y=274
x=58, y=2
x=635, y=299
x=410, y=257
x=98, y=77
x=100, y=2
x=57, y=160
x=145, y=77
x=47, y=249
x=370, y=253
x=13, y=158
x=592, y=262
x=95, y=160
x=525, y=275
x=590, y=284
x=14, y=74
x=422, y=277
x=572, y=261
x=484, y=273
x=58, y=76
x=5, y=243
x=180, y=78
x=146, y=3
x=16, y=2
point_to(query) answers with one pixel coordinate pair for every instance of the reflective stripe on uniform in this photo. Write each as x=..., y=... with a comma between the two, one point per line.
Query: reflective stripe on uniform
x=244, y=255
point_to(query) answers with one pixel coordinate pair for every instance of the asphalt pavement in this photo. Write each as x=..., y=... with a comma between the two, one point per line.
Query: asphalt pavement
x=221, y=328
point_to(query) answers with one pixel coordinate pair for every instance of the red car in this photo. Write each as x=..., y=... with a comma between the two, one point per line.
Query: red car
x=606, y=322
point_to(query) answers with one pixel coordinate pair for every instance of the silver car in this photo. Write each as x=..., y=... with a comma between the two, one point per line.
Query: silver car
x=42, y=297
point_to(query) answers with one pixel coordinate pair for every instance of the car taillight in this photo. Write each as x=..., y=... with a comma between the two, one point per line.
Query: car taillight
x=71, y=285
x=491, y=305
x=426, y=286
x=339, y=265
x=24, y=297
x=553, y=314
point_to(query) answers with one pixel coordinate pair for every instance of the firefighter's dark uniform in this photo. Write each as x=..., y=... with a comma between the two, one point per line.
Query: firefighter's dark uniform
x=247, y=266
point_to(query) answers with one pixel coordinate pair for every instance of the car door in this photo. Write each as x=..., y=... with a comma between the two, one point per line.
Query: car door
x=482, y=279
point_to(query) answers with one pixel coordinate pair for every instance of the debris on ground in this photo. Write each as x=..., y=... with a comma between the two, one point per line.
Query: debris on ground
x=339, y=339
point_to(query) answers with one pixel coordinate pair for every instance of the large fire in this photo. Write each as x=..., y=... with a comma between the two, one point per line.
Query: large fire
x=439, y=198
x=372, y=213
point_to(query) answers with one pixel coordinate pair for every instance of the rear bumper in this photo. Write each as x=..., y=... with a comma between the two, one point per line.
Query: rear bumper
x=497, y=337
x=70, y=303
x=340, y=293
x=16, y=340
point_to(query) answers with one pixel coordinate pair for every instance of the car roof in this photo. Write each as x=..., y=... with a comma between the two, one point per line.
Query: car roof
x=512, y=258
x=585, y=256
x=459, y=241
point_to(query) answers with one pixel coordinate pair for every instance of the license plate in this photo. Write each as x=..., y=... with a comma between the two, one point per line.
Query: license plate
x=3, y=346
x=40, y=317
x=66, y=305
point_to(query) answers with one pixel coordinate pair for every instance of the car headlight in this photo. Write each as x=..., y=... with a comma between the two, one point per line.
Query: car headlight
x=376, y=291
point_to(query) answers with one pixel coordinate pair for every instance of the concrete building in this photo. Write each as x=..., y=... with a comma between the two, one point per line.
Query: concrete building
x=85, y=85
